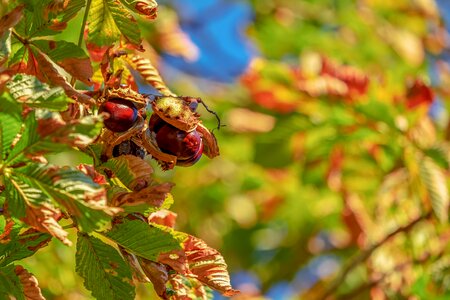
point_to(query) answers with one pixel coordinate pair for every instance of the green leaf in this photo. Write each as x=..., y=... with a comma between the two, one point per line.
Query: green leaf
x=147, y=241
x=128, y=168
x=440, y=155
x=10, y=285
x=23, y=245
x=109, y=20
x=105, y=272
x=9, y=128
x=28, y=89
x=83, y=199
x=56, y=136
x=436, y=185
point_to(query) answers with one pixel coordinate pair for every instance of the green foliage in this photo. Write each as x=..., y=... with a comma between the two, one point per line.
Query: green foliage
x=147, y=241
x=10, y=284
x=104, y=271
x=331, y=163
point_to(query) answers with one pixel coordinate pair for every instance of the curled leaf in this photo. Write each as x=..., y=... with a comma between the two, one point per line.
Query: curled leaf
x=31, y=289
x=208, y=264
x=157, y=273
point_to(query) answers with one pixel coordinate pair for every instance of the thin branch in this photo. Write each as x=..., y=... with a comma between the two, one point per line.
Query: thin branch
x=80, y=37
x=364, y=255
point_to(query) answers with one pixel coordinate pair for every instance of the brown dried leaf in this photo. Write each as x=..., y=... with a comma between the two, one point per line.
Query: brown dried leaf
x=208, y=264
x=152, y=195
x=163, y=217
x=45, y=219
x=157, y=273
x=4, y=237
x=177, y=260
x=38, y=65
x=29, y=283
x=138, y=272
x=80, y=68
x=11, y=19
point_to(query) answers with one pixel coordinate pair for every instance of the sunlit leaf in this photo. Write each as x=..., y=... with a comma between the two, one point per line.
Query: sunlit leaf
x=147, y=8
x=104, y=271
x=108, y=21
x=209, y=266
x=27, y=89
x=142, y=239
x=131, y=170
x=436, y=185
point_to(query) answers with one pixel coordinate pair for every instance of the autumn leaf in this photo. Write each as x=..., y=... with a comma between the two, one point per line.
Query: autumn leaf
x=45, y=218
x=158, y=274
x=29, y=283
x=148, y=8
x=209, y=266
x=163, y=217
x=11, y=19
x=153, y=195
x=68, y=56
x=109, y=21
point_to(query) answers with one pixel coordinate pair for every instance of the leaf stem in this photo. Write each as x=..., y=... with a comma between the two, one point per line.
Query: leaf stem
x=80, y=37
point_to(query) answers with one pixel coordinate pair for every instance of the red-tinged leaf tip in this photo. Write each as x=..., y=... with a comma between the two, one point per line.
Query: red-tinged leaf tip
x=209, y=266
x=163, y=217
x=91, y=172
x=147, y=8
x=29, y=283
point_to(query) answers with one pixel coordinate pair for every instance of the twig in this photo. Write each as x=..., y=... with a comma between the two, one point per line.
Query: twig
x=364, y=255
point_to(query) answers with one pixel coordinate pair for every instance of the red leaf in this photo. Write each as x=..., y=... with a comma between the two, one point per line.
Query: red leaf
x=208, y=264
x=163, y=217
x=4, y=237
x=418, y=93
x=91, y=172
x=356, y=81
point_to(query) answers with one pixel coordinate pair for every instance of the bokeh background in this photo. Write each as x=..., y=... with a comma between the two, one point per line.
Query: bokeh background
x=330, y=109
